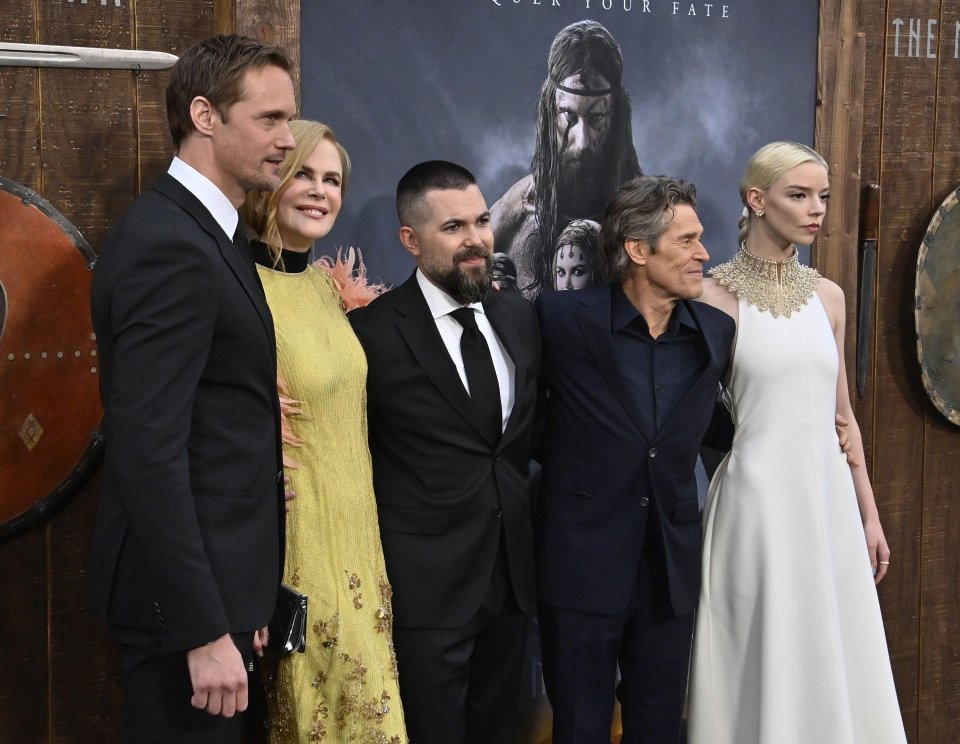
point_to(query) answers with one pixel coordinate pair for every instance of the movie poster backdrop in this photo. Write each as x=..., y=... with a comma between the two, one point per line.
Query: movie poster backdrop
x=412, y=80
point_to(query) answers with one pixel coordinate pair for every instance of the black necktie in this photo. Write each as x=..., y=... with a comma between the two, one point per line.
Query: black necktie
x=243, y=247
x=241, y=242
x=481, y=376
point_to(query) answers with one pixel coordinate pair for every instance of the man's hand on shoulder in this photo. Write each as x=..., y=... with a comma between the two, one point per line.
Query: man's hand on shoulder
x=219, y=678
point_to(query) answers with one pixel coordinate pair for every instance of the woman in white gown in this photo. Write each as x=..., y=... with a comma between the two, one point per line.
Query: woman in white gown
x=789, y=646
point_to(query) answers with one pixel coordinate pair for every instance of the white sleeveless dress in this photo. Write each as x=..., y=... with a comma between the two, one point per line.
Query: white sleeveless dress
x=789, y=646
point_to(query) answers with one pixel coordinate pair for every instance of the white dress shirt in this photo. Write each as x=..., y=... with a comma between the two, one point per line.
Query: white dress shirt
x=441, y=305
x=216, y=202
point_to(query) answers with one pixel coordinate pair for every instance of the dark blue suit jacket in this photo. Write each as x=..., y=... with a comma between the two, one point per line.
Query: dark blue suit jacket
x=601, y=475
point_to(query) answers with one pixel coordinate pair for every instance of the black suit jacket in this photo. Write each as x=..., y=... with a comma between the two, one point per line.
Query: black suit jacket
x=189, y=535
x=443, y=491
x=601, y=475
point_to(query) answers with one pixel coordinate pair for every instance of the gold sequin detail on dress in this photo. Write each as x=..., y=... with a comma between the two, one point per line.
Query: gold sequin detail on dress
x=777, y=287
x=332, y=693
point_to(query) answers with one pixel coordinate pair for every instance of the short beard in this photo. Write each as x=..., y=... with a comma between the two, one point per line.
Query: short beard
x=458, y=284
x=580, y=187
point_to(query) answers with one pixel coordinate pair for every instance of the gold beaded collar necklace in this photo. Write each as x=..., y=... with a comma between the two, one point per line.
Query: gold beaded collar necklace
x=777, y=287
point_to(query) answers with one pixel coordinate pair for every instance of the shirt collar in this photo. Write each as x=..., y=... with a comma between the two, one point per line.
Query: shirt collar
x=439, y=302
x=623, y=312
x=215, y=201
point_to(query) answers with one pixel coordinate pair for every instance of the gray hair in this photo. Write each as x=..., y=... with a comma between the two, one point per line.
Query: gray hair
x=642, y=209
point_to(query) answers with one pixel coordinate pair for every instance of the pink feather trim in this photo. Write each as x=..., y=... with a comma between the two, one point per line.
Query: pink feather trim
x=350, y=277
x=349, y=274
x=288, y=407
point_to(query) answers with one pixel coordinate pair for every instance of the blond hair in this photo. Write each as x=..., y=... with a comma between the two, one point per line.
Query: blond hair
x=767, y=165
x=259, y=210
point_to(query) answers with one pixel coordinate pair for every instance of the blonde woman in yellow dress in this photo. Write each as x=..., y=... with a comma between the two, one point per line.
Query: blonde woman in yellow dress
x=344, y=688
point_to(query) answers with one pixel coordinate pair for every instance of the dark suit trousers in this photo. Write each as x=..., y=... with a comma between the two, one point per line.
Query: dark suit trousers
x=157, y=692
x=581, y=651
x=462, y=685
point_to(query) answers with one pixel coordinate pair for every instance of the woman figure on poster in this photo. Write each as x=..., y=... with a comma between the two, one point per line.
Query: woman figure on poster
x=789, y=646
x=575, y=264
x=344, y=687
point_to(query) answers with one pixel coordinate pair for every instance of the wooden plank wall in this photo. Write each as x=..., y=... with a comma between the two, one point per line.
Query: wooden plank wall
x=85, y=140
x=910, y=103
x=88, y=141
x=23, y=595
x=940, y=525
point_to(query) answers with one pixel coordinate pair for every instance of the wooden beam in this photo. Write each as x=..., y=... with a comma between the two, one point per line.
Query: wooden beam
x=277, y=21
x=839, y=134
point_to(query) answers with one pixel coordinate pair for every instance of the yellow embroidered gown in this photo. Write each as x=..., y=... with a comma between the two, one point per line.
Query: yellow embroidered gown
x=344, y=688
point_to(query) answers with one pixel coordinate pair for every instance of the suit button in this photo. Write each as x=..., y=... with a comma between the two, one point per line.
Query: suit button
x=652, y=452
x=644, y=501
x=497, y=512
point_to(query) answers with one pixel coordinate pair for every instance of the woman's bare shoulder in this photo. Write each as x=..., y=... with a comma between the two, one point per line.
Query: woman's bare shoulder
x=718, y=296
x=831, y=296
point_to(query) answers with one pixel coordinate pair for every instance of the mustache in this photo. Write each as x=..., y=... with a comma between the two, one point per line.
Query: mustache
x=476, y=251
x=578, y=158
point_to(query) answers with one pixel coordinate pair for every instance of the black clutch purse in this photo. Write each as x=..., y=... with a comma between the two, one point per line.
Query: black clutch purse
x=288, y=626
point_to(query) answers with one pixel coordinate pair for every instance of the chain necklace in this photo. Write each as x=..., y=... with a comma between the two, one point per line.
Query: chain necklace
x=777, y=287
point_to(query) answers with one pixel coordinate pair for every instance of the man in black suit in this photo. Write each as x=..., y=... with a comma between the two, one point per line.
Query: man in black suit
x=451, y=395
x=631, y=373
x=188, y=548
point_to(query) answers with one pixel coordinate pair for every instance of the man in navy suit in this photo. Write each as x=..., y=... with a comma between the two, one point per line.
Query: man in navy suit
x=630, y=373
x=451, y=396
x=188, y=550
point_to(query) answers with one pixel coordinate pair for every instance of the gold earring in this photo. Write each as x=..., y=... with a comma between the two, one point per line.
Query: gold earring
x=759, y=213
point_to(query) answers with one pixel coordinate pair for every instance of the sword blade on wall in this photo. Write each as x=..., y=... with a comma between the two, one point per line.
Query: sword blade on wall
x=869, y=231
x=48, y=55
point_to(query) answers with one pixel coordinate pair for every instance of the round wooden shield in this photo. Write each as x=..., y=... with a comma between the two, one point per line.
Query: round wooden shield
x=49, y=371
x=937, y=308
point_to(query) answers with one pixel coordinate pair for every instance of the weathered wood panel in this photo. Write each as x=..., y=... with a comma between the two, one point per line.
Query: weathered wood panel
x=893, y=593
x=939, y=695
x=871, y=21
x=87, y=165
x=181, y=24
x=906, y=160
x=839, y=133
x=277, y=21
x=23, y=615
x=23, y=608
x=19, y=127
x=87, y=117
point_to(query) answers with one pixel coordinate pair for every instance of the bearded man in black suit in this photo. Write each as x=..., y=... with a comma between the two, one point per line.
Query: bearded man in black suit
x=188, y=549
x=451, y=396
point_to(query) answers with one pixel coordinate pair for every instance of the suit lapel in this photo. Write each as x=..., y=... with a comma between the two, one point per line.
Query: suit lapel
x=419, y=331
x=711, y=339
x=240, y=266
x=593, y=317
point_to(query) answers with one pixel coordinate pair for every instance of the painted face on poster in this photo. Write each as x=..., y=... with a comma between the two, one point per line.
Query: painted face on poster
x=595, y=92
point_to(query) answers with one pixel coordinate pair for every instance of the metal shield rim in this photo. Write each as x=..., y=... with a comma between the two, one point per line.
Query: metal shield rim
x=929, y=238
x=43, y=506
